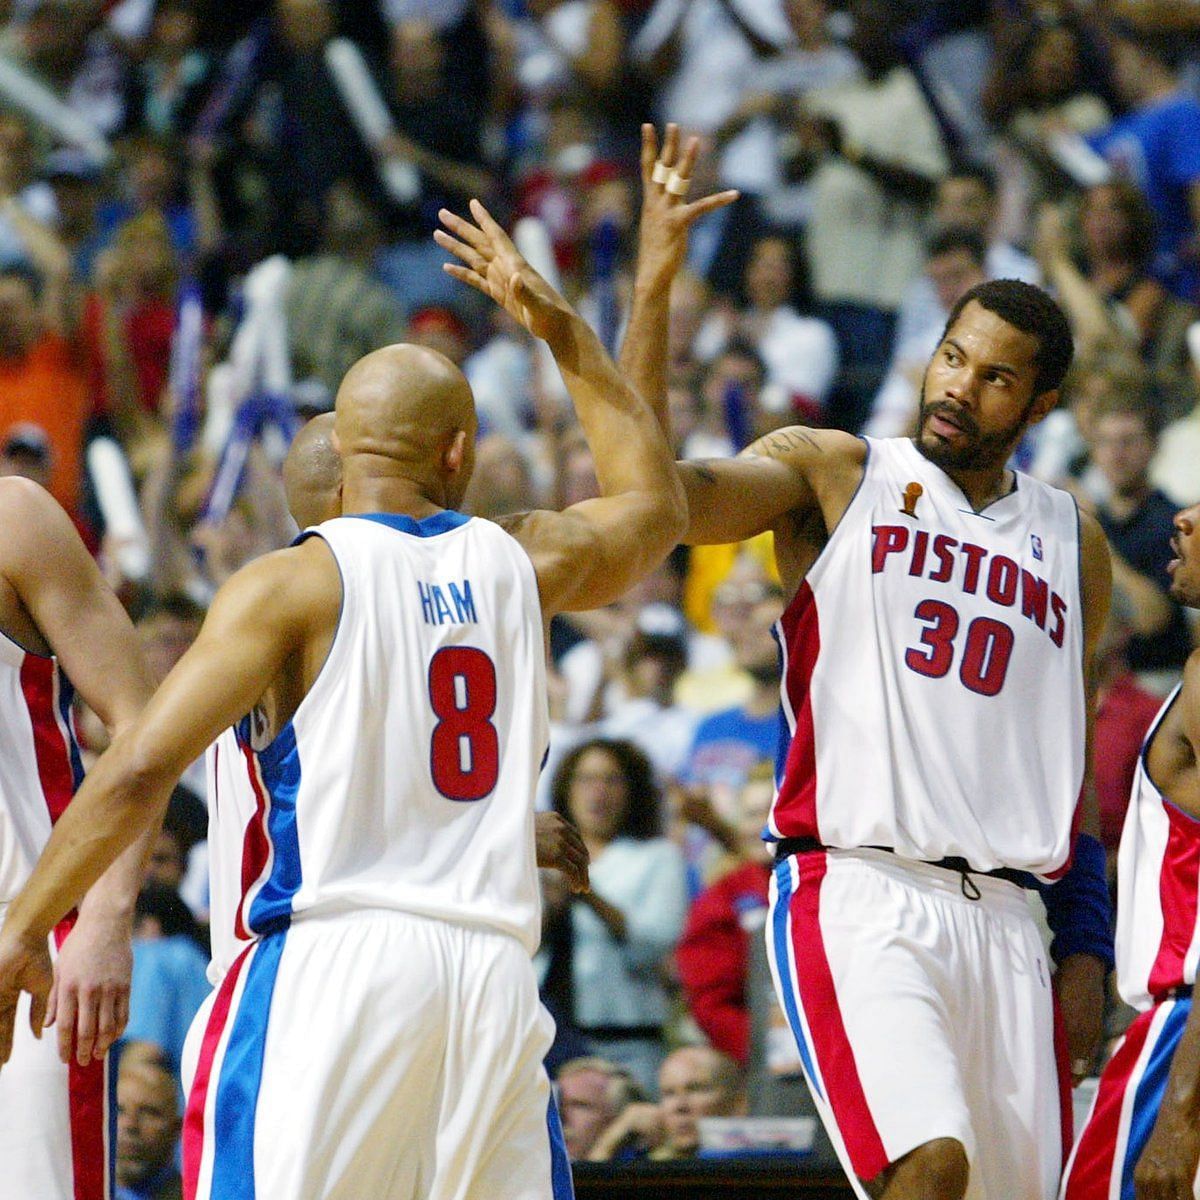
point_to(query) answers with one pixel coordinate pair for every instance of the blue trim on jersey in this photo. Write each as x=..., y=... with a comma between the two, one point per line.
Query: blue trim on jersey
x=562, y=1186
x=441, y=522
x=235, y=1112
x=1150, y=1090
x=783, y=886
x=66, y=697
x=279, y=764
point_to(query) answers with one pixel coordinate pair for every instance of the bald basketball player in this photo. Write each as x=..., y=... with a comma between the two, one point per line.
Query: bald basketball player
x=383, y=1021
x=60, y=627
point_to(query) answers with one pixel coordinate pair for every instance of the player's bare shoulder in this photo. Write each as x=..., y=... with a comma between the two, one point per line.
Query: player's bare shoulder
x=31, y=520
x=298, y=588
x=802, y=446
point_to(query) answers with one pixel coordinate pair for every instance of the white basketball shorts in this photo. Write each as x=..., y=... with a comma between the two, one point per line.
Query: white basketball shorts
x=54, y=1118
x=921, y=1013
x=378, y=1055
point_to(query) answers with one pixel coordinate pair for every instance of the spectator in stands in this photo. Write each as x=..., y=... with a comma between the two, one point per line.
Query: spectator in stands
x=1114, y=296
x=1041, y=87
x=752, y=134
x=170, y=964
x=40, y=378
x=649, y=667
x=168, y=85
x=1138, y=521
x=26, y=452
x=1124, y=713
x=969, y=198
x=592, y=1093
x=800, y=353
x=956, y=261
x=67, y=46
x=1156, y=146
x=624, y=928
x=148, y=1127
x=694, y=1082
x=714, y=953
x=881, y=155
x=337, y=310
x=731, y=741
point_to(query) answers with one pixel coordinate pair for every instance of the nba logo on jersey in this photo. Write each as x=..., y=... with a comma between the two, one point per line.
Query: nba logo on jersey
x=1036, y=542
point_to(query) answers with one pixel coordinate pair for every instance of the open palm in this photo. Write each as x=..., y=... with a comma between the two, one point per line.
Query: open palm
x=490, y=263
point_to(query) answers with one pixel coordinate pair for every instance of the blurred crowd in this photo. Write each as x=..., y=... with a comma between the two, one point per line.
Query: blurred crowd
x=209, y=211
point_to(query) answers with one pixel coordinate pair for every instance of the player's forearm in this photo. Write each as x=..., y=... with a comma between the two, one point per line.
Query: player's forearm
x=114, y=895
x=117, y=806
x=643, y=360
x=629, y=448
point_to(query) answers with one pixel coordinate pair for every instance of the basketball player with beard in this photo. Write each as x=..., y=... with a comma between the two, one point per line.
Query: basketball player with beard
x=942, y=614
x=943, y=610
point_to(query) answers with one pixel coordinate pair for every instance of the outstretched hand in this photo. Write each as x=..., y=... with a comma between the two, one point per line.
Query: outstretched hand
x=667, y=216
x=491, y=264
x=24, y=967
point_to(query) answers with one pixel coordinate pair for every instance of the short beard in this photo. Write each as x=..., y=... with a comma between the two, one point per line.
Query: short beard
x=981, y=451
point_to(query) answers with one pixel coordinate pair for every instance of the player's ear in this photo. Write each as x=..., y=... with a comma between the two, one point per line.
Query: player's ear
x=454, y=457
x=1043, y=405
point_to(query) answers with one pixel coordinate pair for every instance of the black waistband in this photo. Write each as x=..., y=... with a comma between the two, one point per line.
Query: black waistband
x=786, y=847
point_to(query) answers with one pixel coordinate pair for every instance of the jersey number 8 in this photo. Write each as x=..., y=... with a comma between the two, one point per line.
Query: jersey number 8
x=464, y=753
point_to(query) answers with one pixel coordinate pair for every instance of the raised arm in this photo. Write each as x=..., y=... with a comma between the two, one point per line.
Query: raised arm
x=590, y=554
x=277, y=606
x=788, y=470
x=666, y=220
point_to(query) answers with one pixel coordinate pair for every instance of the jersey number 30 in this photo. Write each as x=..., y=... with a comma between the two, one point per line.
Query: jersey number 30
x=987, y=648
x=464, y=754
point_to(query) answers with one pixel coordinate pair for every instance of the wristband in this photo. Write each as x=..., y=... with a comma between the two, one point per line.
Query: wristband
x=1079, y=908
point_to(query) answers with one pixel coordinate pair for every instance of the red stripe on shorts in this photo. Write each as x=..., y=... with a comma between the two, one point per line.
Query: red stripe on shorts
x=49, y=746
x=1091, y=1170
x=835, y=1055
x=88, y=1097
x=193, y=1119
x=795, y=810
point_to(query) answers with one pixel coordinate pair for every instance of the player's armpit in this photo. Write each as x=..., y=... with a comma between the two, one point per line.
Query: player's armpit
x=1189, y=701
x=732, y=499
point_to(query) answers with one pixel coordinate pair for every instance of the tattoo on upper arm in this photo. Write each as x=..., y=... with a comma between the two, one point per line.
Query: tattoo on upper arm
x=703, y=471
x=782, y=441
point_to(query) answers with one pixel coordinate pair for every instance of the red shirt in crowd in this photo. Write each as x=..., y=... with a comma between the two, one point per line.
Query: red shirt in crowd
x=714, y=957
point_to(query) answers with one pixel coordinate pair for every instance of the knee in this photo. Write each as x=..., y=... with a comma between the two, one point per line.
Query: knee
x=938, y=1170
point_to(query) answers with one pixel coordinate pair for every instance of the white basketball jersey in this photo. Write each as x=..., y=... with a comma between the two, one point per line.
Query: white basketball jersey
x=1158, y=882
x=405, y=780
x=39, y=759
x=933, y=673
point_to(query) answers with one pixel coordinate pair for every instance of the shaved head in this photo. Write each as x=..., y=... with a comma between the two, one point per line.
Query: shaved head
x=402, y=403
x=312, y=474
